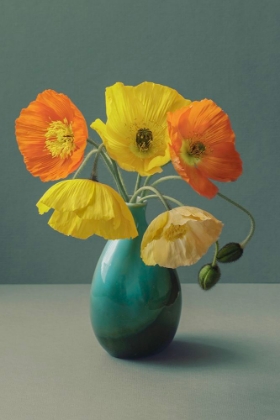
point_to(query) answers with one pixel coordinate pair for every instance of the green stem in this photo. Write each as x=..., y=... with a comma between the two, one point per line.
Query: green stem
x=174, y=200
x=138, y=182
x=166, y=197
x=252, y=220
x=112, y=167
x=155, y=191
x=88, y=156
x=98, y=153
x=93, y=143
x=147, y=180
x=215, y=254
x=119, y=180
x=165, y=178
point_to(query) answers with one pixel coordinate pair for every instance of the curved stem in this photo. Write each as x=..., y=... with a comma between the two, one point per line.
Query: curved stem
x=138, y=182
x=119, y=179
x=146, y=182
x=166, y=178
x=98, y=153
x=155, y=191
x=174, y=200
x=88, y=156
x=90, y=141
x=166, y=197
x=215, y=254
x=112, y=167
x=252, y=220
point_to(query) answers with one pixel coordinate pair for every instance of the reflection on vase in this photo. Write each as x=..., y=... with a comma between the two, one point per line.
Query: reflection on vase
x=135, y=309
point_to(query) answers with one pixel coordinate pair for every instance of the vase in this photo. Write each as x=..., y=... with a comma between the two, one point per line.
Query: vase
x=135, y=309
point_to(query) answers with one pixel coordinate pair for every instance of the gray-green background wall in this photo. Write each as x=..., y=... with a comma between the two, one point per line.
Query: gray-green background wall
x=226, y=50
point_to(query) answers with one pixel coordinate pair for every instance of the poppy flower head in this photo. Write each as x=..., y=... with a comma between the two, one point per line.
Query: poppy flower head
x=179, y=237
x=51, y=134
x=202, y=146
x=83, y=207
x=135, y=134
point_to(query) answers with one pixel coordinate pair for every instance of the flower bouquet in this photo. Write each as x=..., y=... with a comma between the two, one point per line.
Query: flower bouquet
x=147, y=126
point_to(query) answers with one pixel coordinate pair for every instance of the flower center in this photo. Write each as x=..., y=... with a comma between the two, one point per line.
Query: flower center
x=196, y=149
x=144, y=137
x=60, y=139
x=192, y=151
x=174, y=232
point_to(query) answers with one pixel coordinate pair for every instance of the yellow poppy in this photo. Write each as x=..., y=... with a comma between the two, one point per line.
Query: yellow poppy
x=179, y=237
x=135, y=134
x=83, y=208
x=52, y=135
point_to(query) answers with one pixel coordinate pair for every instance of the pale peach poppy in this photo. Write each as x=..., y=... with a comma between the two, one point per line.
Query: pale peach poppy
x=179, y=237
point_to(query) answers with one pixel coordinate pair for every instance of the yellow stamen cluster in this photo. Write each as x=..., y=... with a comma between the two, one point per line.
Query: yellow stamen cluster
x=60, y=139
x=174, y=232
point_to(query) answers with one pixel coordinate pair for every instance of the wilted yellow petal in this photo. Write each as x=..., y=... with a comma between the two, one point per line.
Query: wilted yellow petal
x=182, y=239
x=68, y=195
x=84, y=208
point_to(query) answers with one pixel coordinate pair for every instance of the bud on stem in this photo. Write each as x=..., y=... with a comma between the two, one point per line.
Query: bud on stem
x=230, y=252
x=208, y=276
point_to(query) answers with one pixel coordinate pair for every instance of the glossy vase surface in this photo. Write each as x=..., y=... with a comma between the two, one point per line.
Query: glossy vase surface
x=135, y=309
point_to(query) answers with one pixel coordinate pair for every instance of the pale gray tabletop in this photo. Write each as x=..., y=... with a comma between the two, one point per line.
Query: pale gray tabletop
x=224, y=363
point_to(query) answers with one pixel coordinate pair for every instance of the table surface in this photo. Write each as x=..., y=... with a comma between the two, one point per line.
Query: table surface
x=223, y=364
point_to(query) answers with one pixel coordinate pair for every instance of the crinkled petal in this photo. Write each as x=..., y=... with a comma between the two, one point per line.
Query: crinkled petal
x=202, y=146
x=195, y=231
x=130, y=111
x=31, y=128
x=193, y=176
x=84, y=207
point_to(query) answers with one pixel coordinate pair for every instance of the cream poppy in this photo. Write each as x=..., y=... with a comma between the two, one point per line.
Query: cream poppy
x=179, y=237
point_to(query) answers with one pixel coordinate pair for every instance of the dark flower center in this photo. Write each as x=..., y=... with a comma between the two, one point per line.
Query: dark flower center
x=196, y=149
x=144, y=137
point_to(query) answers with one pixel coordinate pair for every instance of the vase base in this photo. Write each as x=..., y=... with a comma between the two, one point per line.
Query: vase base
x=151, y=340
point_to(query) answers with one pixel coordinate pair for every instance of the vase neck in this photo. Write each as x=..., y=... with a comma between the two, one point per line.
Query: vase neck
x=138, y=211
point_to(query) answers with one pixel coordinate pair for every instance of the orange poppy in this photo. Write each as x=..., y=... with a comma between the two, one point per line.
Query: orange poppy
x=202, y=146
x=51, y=134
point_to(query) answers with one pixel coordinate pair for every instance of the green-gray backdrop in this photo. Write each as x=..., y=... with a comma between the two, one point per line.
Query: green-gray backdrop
x=226, y=50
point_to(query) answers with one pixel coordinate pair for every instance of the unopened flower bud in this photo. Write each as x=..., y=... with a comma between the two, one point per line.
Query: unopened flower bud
x=208, y=276
x=230, y=252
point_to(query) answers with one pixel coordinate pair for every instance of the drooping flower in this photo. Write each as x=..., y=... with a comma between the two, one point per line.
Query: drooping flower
x=179, y=237
x=203, y=146
x=51, y=134
x=83, y=208
x=135, y=134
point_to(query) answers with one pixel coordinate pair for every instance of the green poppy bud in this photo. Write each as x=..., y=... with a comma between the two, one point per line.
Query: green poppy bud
x=208, y=276
x=230, y=252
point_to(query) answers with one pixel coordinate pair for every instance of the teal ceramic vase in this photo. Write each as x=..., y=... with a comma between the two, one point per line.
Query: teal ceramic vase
x=135, y=309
